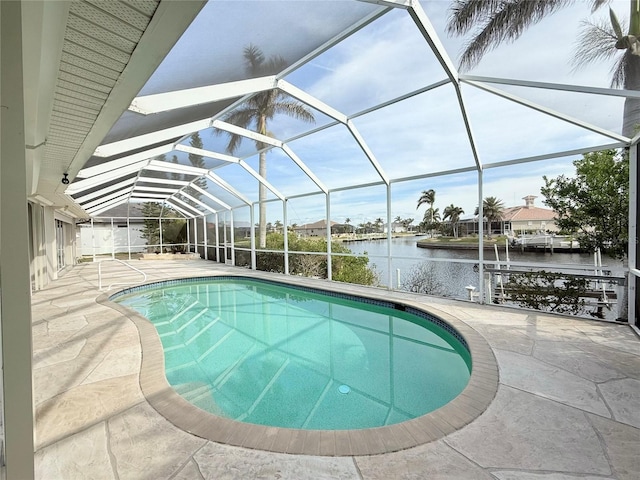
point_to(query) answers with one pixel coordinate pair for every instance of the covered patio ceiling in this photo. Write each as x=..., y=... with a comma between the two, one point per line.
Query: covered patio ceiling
x=136, y=80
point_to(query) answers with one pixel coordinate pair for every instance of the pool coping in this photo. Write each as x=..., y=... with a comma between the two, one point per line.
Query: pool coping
x=462, y=410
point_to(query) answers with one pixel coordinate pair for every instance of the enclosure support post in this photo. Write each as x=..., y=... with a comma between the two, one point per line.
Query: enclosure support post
x=389, y=236
x=252, y=236
x=217, y=238
x=328, y=220
x=195, y=233
x=204, y=237
x=285, y=237
x=233, y=236
x=93, y=241
x=633, y=281
x=113, y=240
x=224, y=236
x=129, y=237
x=481, y=297
x=188, y=235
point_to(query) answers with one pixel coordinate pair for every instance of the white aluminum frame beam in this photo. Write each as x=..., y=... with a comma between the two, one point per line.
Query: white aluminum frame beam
x=226, y=187
x=151, y=196
x=185, y=205
x=421, y=20
x=91, y=182
x=162, y=181
x=213, y=198
x=115, y=148
x=90, y=196
x=139, y=188
x=102, y=209
x=403, y=4
x=352, y=29
x=549, y=111
x=261, y=179
x=304, y=168
x=367, y=151
x=310, y=100
x=613, y=92
x=124, y=161
x=554, y=155
x=162, y=102
x=160, y=166
x=107, y=205
x=181, y=210
x=207, y=153
x=243, y=132
x=196, y=201
x=101, y=200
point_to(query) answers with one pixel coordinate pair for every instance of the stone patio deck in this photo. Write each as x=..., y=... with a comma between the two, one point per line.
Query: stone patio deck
x=567, y=405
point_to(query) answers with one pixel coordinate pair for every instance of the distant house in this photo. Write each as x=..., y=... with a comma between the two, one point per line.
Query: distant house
x=528, y=218
x=396, y=227
x=317, y=229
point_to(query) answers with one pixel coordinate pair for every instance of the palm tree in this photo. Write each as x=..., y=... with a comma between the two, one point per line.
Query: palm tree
x=427, y=196
x=452, y=213
x=406, y=223
x=257, y=111
x=492, y=208
x=378, y=223
x=431, y=219
x=506, y=20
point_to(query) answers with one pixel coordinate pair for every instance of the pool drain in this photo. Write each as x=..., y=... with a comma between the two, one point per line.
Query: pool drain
x=344, y=389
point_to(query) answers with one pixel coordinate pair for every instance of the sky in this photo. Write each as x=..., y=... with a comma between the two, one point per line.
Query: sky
x=425, y=133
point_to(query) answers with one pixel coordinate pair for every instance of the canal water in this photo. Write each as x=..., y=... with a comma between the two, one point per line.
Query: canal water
x=453, y=270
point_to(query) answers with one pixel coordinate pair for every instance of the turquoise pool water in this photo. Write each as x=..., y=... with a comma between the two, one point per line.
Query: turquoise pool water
x=271, y=354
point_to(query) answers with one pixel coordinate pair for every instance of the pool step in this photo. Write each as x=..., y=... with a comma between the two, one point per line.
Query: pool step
x=200, y=395
x=193, y=328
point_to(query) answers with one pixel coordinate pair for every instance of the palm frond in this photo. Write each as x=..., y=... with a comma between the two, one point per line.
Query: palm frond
x=619, y=70
x=294, y=109
x=242, y=117
x=464, y=14
x=504, y=22
x=254, y=59
x=274, y=65
x=595, y=42
x=598, y=3
x=615, y=24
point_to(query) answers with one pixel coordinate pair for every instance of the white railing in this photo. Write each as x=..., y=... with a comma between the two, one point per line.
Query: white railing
x=144, y=275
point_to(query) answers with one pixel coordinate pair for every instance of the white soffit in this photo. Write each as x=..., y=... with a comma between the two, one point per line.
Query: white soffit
x=103, y=41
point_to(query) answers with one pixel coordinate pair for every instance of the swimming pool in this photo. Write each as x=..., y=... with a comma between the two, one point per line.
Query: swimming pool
x=271, y=354
x=355, y=335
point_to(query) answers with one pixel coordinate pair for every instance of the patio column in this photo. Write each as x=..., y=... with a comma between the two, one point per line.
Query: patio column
x=15, y=313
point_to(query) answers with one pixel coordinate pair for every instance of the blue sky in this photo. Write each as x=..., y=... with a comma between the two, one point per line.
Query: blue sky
x=423, y=134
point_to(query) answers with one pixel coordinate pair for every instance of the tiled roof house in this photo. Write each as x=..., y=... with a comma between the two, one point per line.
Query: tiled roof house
x=317, y=229
x=528, y=218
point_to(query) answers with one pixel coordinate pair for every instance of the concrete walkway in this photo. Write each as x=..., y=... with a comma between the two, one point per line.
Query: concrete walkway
x=567, y=406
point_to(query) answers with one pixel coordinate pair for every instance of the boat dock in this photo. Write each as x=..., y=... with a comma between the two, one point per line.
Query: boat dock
x=550, y=243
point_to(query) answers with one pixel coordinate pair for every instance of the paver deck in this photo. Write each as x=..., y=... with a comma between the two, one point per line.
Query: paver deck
x=567, y=404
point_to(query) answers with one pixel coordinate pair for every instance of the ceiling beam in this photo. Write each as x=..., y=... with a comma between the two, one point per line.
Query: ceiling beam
x=162, y=102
